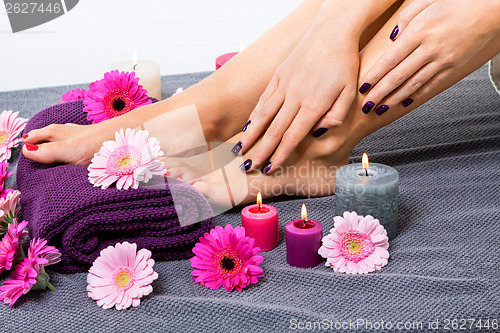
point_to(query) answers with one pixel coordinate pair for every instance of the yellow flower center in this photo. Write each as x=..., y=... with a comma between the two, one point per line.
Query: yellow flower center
x=124, y=162
x=354, y=246
x=122, y=279
x=3, y=137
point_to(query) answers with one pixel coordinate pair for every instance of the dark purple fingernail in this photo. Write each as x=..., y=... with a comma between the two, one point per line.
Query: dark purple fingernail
x=407, y=102
x=364, y=87
x=246, y=126
x=246, y=165
x=237, y=147
x=319, y=132
x=394, y=32
x=368, y=106
x=266, y=168
x=381, y=109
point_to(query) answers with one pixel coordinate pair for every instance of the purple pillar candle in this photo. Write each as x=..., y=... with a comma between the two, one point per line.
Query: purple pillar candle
x=303, y=240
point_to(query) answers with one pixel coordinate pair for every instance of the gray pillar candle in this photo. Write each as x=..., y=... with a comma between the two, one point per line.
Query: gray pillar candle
x=371, y=190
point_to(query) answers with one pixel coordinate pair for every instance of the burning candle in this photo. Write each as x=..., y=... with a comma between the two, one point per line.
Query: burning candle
x=369, y=189
x=148, y=73
x=303, y=240
x=261, y=223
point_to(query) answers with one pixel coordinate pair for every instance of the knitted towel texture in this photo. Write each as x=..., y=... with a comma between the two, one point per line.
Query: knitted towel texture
x=63, y=207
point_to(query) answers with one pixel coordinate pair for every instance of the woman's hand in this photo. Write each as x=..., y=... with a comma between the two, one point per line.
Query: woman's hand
x=312, y=89
x=435, y=38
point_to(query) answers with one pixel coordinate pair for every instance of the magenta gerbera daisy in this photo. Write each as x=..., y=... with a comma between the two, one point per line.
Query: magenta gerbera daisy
x=121, y=276
x=42, y=254
x=23, y=278
x=355, y=245
x=129, y=159
x=10, y=246
x=74, y=95
x=225, y=256
x=116, y=94
x=10, y=127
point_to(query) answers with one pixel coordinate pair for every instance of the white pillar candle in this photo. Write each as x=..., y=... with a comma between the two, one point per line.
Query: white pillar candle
x=148, y=73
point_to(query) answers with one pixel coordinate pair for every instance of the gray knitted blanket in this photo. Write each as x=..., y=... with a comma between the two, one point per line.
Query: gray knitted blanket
x=444, y=266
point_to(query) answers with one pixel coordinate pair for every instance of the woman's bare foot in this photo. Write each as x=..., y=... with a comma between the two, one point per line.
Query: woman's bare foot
x=310, y=171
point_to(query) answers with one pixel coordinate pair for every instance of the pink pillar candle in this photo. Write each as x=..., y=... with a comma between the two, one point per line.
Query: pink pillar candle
x=303, y=240
x=223, y=59
x=261, y=223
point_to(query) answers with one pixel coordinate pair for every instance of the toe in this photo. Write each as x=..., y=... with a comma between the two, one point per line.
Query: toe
x=47, y=153
x=49, y=133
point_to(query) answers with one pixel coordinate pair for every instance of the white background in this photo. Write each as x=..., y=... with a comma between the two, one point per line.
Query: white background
x=181, y=35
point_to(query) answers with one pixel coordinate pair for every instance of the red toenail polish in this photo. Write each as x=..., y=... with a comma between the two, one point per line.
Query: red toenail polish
x=167, y=173
x=31, y=147
x=25, y=136
x=180, y=177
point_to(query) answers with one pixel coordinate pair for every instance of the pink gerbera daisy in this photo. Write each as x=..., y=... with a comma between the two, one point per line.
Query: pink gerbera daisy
x=10, y=246
x=10, y=128
x=4, y=175
x=74, y=95
x=42, y=254
x=226, y=257
x=116, y=94
x=10, y=208
x=356, y=244
x=130, y=159
x=23, y=278
x=121, y=276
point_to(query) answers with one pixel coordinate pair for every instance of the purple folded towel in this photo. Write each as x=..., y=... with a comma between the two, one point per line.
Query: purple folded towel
x=63, y=207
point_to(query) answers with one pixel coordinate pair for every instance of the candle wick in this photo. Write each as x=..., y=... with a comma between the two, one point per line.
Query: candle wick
x=366, y=171
x=135, y=66
x=259, y=207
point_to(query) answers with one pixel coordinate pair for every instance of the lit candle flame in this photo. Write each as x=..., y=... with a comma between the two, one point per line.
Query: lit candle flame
x=303, y=213
x=134, y=58
x=259, y=199
x=365, y=161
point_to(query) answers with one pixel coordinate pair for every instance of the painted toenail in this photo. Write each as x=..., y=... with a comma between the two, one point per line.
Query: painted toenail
x=25, y=136
x=167, y=173
x=237, y=148
x=246, y=126
x=246, y=165
x=31, y=147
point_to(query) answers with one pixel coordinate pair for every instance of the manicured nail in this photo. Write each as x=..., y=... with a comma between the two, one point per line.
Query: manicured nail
x=167, y=173
x=246, y=165
x=266, y=168
x=319, y=132
x=31, y=147
x=368, y=106
x=237, y=148
x=394, y=33
x=246, y=126
x=25, y=136
x=364, y=87
x=381, y=109
x=407, y=102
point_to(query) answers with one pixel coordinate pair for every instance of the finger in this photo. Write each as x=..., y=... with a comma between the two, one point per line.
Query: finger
x=396, y=53
x=291, y=139
x=336, y=115
x=261, y=116
x=395, y=78
x=274, y=134
x=409, y=13
x=412, y=85
x=433, y=86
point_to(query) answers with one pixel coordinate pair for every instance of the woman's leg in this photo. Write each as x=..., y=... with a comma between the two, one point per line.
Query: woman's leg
x=310, y=171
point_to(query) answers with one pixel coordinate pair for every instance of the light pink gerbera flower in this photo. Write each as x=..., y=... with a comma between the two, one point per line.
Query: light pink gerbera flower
x=9, y=208
x=116, y=94
x=226, y=257
x=121, y=276
x=355, y=245
x=130, y=159
x=74, y=95
x=10, y=127
x=10, y=246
